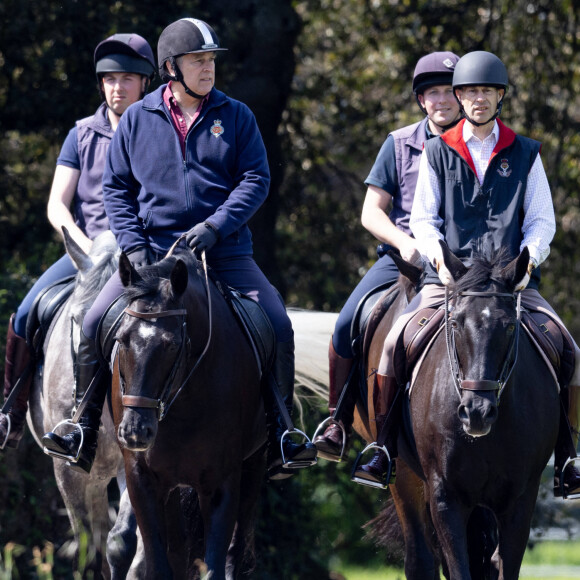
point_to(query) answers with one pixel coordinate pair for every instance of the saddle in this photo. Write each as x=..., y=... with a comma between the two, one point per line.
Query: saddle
x=248, y=313
x=551, y=340
x=43, y=311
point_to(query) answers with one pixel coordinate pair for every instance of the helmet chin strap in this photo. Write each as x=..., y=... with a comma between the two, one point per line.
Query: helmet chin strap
x=179, y=78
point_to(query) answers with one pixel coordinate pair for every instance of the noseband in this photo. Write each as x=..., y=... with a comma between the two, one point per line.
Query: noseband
x=163, y=404
x=509, y=363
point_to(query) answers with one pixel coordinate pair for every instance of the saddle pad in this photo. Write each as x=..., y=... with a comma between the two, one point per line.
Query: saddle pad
x=44, y=309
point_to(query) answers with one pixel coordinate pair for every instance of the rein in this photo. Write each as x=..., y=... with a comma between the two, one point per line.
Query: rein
x=511, y=358
x=161, y=404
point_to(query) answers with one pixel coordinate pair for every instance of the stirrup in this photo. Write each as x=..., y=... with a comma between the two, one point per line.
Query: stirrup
x=322, y=427
x=295, y=463
x=564, y=494
x=67, y=457
x=7, y=415
x=368, y=482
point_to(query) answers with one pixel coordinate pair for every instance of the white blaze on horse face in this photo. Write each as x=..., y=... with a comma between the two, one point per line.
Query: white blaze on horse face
x=146, y=331
x=486, y=312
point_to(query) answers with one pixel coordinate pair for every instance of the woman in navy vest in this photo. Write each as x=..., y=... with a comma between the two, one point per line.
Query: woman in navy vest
x=124, y=65
x=391, y=187
x=504, y=201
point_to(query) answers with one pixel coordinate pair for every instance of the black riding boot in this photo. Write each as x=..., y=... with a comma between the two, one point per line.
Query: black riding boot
x=566, y=446
x=380, y=470
x=332, y=444
x=298, y=455
x=18, y=366
x=87, y=369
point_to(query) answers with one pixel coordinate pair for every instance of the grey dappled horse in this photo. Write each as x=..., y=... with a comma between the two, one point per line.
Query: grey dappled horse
x=51, y=401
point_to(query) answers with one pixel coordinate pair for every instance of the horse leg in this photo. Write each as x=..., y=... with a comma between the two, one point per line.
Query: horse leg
x=450, y=521
x=122, y=539
x=219, y=509
x=88, y=515
x=420, y=562
x=148, y=503
x=514, y=529
x=242, y=542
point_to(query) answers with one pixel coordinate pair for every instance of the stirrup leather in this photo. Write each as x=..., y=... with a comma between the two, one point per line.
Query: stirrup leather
x=296, y=463
x=565, y=495
x=321, y=428
x=385, y=483
x=68, y=457
x=7, y=415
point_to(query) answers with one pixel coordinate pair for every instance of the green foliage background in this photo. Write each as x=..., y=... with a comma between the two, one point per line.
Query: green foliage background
x=327, y=79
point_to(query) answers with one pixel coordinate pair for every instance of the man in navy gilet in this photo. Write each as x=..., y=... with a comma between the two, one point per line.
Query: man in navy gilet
x=482, y=186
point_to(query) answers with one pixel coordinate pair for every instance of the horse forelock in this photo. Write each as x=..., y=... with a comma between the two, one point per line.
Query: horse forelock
x=483, y=273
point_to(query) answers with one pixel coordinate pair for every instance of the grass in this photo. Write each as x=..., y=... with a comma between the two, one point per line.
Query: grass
x=557, y=560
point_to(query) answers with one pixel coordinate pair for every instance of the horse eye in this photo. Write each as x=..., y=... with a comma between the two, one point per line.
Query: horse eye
x=454, y=324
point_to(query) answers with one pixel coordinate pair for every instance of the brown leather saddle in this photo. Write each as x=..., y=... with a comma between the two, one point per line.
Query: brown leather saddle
x=549, y=337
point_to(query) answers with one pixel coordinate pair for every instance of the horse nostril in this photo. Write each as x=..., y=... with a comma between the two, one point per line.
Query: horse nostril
x=492, y=415
x=462, y=413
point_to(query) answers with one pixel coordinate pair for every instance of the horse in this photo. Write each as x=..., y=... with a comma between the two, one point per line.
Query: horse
x=470, y=451
x=85, y=496
x=188, y=412
x=468, y=472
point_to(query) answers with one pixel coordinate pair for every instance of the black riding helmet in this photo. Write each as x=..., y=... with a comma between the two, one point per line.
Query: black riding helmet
x=185, y=36
x=481, y=68
x=129, y=53
x=431, y=70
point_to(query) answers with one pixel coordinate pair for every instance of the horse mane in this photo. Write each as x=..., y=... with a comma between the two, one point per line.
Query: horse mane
x=153, y=275
x=104, y=254
x=483, y=271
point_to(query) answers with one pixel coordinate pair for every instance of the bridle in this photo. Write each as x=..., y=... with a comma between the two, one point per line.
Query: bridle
x=165, y=401
x=509, y=364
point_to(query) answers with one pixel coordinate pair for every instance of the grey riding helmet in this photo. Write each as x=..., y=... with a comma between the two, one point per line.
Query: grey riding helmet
x=483, y=69
x=185, y=36
x=129, y=53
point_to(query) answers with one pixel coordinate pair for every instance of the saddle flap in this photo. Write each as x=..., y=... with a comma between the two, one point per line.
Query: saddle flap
x=554, y=342
x=257, y=326
x=107, y=328
x=44, y=309
x=413, y=340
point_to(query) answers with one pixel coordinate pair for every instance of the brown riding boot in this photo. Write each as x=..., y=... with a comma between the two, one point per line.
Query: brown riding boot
x=18, y=362
x=332, y=443
x=571, y=485
x=380, y=470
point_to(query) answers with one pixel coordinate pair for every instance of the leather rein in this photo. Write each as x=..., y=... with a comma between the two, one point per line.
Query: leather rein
x=509, y=364
x=164, y=402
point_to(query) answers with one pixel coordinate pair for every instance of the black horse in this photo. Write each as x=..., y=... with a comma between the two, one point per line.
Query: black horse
x=188, y=410
x=472, y=452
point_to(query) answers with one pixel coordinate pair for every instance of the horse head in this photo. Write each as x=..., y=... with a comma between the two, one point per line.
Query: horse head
x=482, y=328
x=153, y=345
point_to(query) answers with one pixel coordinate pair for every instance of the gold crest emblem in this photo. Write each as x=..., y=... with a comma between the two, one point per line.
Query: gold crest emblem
x=504, y=168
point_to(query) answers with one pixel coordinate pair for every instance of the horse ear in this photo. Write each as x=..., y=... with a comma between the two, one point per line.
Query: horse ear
x=127, y=273
x=179, y=278
x=517, y=269
x=455, y=266
x=411, y=272
x=80, y=259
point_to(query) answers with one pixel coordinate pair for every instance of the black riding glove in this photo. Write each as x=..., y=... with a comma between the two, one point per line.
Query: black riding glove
x=202, y=237
x=139, y=257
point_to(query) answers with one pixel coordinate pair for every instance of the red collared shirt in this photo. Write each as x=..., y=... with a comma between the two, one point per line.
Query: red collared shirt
x=177, y=116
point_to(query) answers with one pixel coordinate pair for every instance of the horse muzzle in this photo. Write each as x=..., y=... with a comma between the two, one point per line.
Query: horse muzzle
x=138, y=429
x=478, y=408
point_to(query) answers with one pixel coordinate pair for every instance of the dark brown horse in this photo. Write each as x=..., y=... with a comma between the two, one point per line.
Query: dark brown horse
x=188, y=412
x=469, y=468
